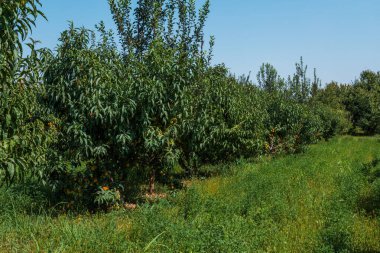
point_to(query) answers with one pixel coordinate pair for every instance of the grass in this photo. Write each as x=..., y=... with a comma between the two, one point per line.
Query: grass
x=311, y=202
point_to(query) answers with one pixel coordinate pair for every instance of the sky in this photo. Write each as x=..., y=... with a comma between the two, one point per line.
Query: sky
x=340, y=38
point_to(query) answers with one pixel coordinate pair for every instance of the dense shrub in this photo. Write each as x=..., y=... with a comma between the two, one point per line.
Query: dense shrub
x=360, y=101
x=284, y=125
x=332, y=121
x=363, y=102
x=228, y=121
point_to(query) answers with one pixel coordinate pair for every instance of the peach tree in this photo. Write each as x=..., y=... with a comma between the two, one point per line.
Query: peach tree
x=25, y=131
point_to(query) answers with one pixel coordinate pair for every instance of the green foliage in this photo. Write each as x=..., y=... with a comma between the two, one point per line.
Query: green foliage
x=299, y=84
x=333, y=95
x=315, y=85
x=363, y=102
x=25, y=132
x=16, y=23
x=293, y=117
x=107, y=197
x=227, y=122
x=84, y=89
x=268, y=79
x=332, y=121
x=287, y=125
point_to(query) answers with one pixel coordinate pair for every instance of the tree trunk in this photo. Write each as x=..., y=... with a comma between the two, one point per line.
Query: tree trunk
x=152, y=181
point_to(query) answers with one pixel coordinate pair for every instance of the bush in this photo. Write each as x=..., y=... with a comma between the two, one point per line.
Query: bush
x=289, y=126
x=332, y=121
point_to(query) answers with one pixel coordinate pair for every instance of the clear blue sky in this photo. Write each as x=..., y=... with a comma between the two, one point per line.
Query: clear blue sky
x=338, y=37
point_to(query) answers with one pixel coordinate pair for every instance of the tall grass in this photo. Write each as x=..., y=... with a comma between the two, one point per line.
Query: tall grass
x=309, y=202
